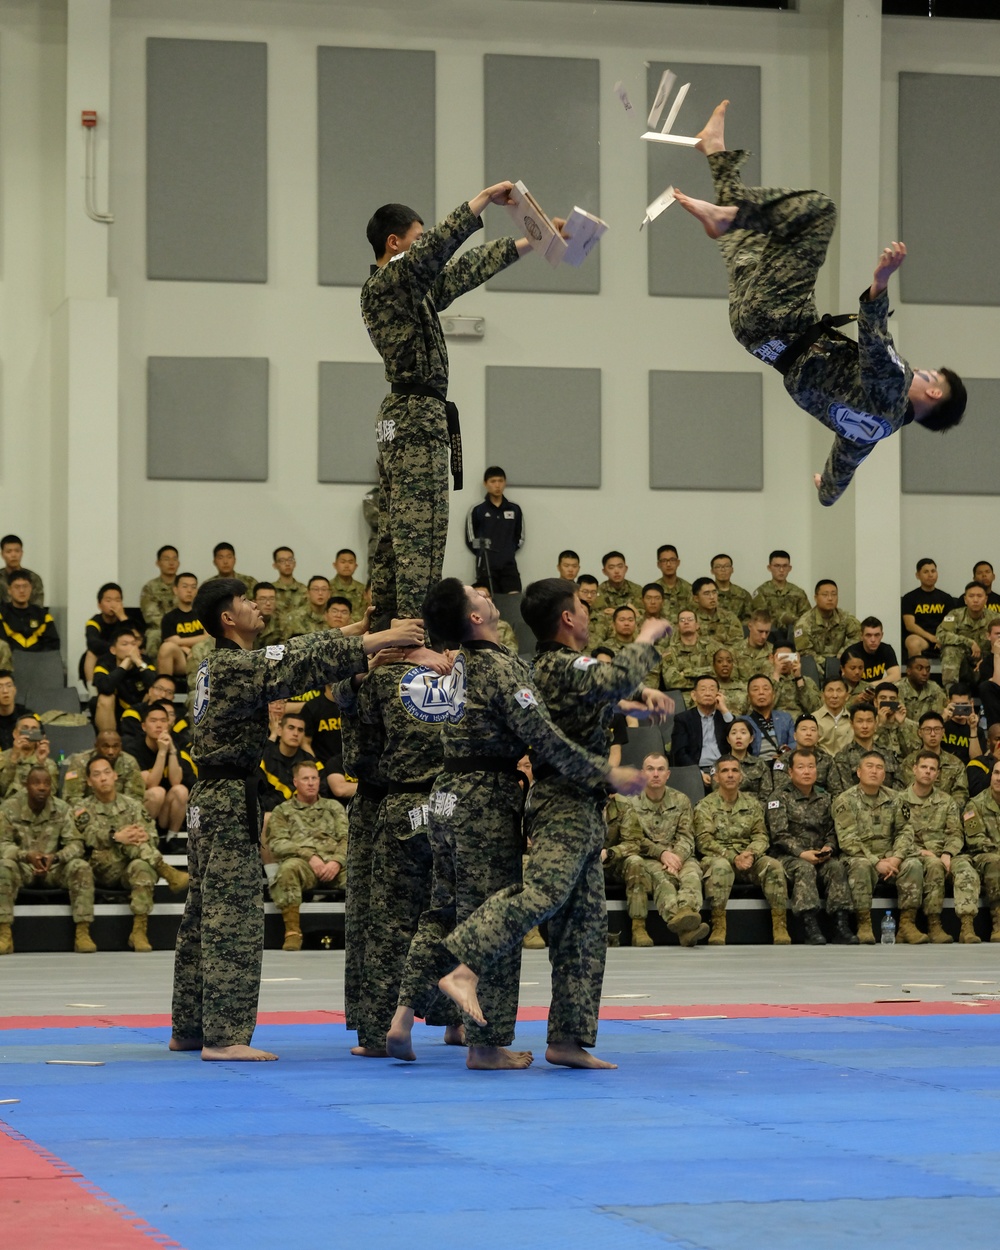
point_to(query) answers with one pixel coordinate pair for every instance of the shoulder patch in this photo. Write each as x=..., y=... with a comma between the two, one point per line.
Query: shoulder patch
x=584, y=661
x=799, y=633
x=526, y=698
x=201, y=692
x=427, y=696
x=777, y=767
x=773, y=803
x=968, y=815
x=276, y=652
x=904, y=810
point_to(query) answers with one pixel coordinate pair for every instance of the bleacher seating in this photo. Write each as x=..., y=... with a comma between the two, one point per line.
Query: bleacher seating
x=37, y=671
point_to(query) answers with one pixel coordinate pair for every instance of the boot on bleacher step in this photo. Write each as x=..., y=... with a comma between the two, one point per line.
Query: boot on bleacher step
x=639, y=935
x=810, y=922
x=779, y=927
x=865, y=935
x=174, y=877
x=968, y=933
x=533, y=940
x=908, y=931
x=842, y=931
x=137, y=939
x=6, y=940
x=935, y=932
x=83, y=943
x=995, y=914
x=293, y=930
x=718, y=935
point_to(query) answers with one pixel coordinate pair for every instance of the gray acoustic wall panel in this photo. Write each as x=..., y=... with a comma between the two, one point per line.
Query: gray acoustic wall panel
x=706, y=431
x=951, y=121
x=544, y=425
x=206, y=160
x=216, y=406
x=558, y=161
x=682, y=261
x=963, y=461
x=349, y=398
x=376, y=146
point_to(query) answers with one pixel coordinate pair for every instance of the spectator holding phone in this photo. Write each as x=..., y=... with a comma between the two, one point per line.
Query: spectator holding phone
x=31, y=748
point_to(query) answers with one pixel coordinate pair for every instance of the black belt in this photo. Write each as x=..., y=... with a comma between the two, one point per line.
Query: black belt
x=369, y=790
x=545, y=772
x=229, y=772
x=412, y=787
x=481, y=764
x=782, y=357
x=451, y=414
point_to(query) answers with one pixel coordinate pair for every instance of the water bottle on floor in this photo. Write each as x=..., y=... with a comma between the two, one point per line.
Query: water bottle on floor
x=888, y=929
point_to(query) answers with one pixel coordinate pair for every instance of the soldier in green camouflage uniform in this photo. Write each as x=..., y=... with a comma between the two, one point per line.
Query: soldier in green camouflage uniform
x=732, y=689
x=981, y=820
x=505, y=631
x=615, y=851
x=731, y=597
x=753, y=653
x=793, y=693
x=931, y=821
x=617, y=591
x=108, y=745
x=774, y=242
x=824, y=630
x=290, y=594
x=311, y=617
x=25, y=754
x=862, y=818
x=715, y=624
x=345, y=584
x=916, y=690
x=732, y=841
x=40, y=847
x=687, y=657
x=804, y=842
x=961, y=636
x=844, y=769
x=780, y=599
x=221, y=937
x=410, y=284
x=157, y=596
x=677, y=593
x=951, y=778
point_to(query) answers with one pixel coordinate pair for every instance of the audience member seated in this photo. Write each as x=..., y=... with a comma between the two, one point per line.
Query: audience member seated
x=323, y=739
x=121, y=842
x=266, y=598
x=224, y=559
x=180, y=628
x=773, y=730
x=616, y=591
x=732, y=841
x=505, y=631
x=10, y=710
x=615, y=852
x=781, y=599
x=687, y=656
x=878, y=657
x=107, y=746
x=753, y=653
x=310, y=619
x=844, y=770
x=344, y=584
x=717, y=625
x=803, y=840
x=282, y=752
x=11, y=551
x=852, y=668
x=30, y=749
x=961, y=725
x=862, y=820
x=290, y=594
x=982, y=572
x=162, y=690
x=979, y=770
x=102, y=627
x=337, y=612
x=40, y=849
x=981, y=826
x=676, y=591
x=916, y=690
x=701, y=734
x=652, y=610
x=733, y=691
x=806, y=737
x=157, y=596
x=568, y=565
x=923, y=610
x=793, y=693
x=734, y=599
x=927, y=830
x=895, y=729
x=659, y=825
x=962, y=636
x=831, y=716
x=988, y=673
x=623, y=629
x=26, y=627
x=824, y=631
x=755, y=773
x=951, y=778
x=167, y=772
x=121, y=678
x=586, y=588
x=307, y=836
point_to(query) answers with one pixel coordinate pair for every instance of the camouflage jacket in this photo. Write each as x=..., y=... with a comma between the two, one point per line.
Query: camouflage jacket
x=348, y=588
x=681, y=664
x=779, y=772
x=617, y=850
x=819, y=636
x=729, y=831
x=843, y=771
x=961, y=629
x=736, y=600
x=932, y=823
x=14, y=772
x=675, y=599
x=931, y=698
x=97, y=822
x=156, y=598
x=785, y=603
x=302, y=621
x=722, y=628
x=796, y=696
x=951, y=779
x=50, y=831
x=981, y=821
x=654, y=827
x=752, y=661
x=627, y=595
x=288, y=599
x=301, y=830
x=508, y=639
x=864, y=825
x=75, y=786
x=405, y=706
x=361, y=744
x=799, y=822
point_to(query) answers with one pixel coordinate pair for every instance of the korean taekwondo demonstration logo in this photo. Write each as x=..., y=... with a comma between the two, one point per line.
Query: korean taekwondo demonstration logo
x=428, y=696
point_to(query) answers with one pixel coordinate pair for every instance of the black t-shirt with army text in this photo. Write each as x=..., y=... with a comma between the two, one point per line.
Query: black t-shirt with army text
x=322, y=718
x=927, y=607
x=180, y=624
x=875, y=662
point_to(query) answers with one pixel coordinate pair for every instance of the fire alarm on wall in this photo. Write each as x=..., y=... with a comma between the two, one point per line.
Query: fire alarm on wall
x=89, y=117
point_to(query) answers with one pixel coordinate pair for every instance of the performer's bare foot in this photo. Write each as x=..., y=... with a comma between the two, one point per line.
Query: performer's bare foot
x=497, y=1059
x=460, y=986
x=454, y=1035
x=716, y=218
x=817, y=480
x=180, y=1043
x=369, y=1052
x=232, y=1054
x=572, y=1055
x=397, y=1040
x=712, y=137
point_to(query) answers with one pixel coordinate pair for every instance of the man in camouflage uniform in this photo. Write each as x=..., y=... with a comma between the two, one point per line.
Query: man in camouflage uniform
x=804, y=842
x=617, y=591
x=311, y=617
x=221, y=937
x=951, y=778
x=40, y=847
x=731, y=838
x=981, y=820
x=962, y=636
x=615, y=851
x=661, y=828
x=753, y=653
x=774, y=242
x=475, y=818
x=563, y=881
x=687, y=657
x=793, y=693
x=731, y=597
x=676, y=591
x=157, y=596
x=121, y=840
x=862, y=818
x=916, y=690
x=807, y=737
x=410, y=283
x=307, y=836
x=825, y=631
x=844, y=769
x=289, y=592
x=733, y=691
x=930, y=821
x=31, y=749
x=346, y=585
x=107, y=746
x=782, y=600
x=715, y=624
x=224, y=559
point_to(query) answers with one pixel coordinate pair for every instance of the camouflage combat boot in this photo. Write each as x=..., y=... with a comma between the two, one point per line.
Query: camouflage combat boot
x=779, y=928
x=935, y=932
x=968, y=933
x=908, y=931
x=137, y=939
x=865, y=935
x=639, y=935
x=995, y=913
x=718, y=934
x=683, y=919
x=175, y=879
x=6, y=940
x=293, y=931
x=83, y=943
x=691, y=937
x=533, y=940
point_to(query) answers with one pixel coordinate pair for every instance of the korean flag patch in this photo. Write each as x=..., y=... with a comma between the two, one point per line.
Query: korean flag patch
x=773, y=803
x=526, y=699
x=584, y=661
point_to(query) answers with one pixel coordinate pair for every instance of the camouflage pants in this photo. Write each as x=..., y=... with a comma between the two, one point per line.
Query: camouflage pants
x=956, y=665
x=412, y=435
x=362, y=818
x=220, y=942
x=671, y=892
x=477, y=851
x=765, y=873
x=806, y=880
x=400, y=892
x=74, y=875
x=862, y=879
x=293, y=876
x=987, y=865
x=563, y=884
x=139, y=876
x=922, y=880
